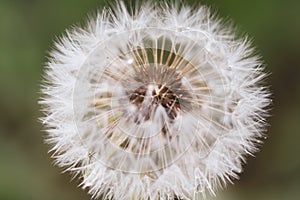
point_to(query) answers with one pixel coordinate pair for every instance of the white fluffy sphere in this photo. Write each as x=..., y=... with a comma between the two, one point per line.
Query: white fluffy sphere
x=162, y=102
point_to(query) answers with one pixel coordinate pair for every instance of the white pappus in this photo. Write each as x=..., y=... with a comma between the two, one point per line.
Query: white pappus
x=157, y=102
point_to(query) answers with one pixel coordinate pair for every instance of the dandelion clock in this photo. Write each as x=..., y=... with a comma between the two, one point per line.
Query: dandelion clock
x=159, y=102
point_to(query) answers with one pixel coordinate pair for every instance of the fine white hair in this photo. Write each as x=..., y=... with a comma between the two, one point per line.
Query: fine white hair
x=158, y=102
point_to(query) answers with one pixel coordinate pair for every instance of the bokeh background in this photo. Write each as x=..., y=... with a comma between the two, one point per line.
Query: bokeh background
x=27, y=29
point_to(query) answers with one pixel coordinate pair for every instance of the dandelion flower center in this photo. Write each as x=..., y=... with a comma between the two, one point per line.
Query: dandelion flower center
x=160, y=86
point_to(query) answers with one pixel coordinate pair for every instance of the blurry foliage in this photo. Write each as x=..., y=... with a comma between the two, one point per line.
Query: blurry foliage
x=27, y=29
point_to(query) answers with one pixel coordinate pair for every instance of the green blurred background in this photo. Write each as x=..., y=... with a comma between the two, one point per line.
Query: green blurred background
x=27, y=29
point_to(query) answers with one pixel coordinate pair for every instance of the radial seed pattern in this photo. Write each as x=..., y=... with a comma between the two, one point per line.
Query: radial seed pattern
x=158, y=103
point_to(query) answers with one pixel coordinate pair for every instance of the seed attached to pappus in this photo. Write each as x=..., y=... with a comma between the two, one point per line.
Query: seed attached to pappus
x=157, y=102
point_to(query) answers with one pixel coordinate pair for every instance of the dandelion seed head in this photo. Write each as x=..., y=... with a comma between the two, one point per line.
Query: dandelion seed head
x=162, y=102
